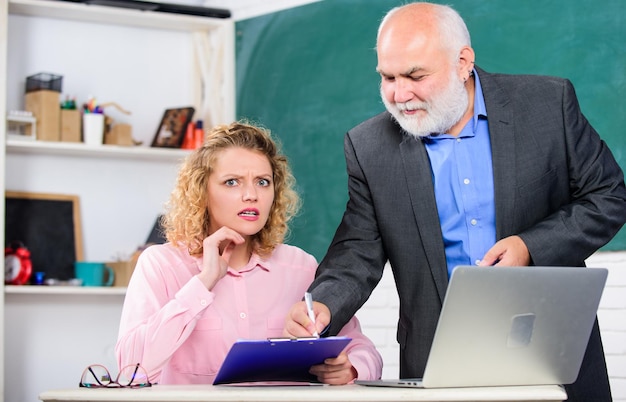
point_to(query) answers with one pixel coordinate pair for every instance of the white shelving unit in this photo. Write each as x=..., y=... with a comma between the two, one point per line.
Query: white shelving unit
x=214, y=43
x=3, y=112
x=53, y=332
x=104, y=151
x=120, y=168
x=65, y=290
x=113, y=15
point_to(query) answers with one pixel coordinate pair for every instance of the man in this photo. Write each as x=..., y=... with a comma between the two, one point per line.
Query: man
x=465, y=167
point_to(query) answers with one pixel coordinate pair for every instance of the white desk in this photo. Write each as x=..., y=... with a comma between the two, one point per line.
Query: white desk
x=319, y=393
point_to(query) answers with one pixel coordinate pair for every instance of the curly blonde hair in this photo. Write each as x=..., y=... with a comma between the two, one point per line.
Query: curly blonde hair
x=186, y=220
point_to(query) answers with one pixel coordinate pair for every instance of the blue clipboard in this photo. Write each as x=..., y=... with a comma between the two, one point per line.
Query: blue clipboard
x=277, y=359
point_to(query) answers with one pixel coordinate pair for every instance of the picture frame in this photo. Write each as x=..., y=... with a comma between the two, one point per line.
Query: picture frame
x=173, y=126
x=49, y=226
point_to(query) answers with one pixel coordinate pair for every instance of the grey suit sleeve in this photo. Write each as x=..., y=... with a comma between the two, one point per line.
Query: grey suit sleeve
x=597, y=206
x=355, y=259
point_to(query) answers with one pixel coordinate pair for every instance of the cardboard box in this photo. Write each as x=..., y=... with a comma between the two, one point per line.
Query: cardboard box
x=120, y=134
x=70, y=125
x=46, y=108
x=123, y=271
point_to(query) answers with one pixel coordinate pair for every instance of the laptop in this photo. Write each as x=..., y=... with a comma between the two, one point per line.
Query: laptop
x=507, y=326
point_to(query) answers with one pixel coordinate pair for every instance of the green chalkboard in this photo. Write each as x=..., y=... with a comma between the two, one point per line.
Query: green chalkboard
x=308, y=74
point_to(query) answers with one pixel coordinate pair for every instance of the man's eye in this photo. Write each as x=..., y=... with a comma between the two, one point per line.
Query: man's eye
x=417, y=78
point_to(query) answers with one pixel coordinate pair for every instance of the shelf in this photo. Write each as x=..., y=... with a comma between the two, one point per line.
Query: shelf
x=114, y=15
x=103, y=151
x=64, y=290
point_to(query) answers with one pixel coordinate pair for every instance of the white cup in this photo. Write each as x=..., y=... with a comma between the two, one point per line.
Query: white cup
x=93, y=128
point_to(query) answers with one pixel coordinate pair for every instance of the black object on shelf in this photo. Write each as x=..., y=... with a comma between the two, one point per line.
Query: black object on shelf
x=161, y=7
x=156, y=235
x=44, y=81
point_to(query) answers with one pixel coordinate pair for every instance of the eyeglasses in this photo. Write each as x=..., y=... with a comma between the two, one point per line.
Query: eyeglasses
x=97, y=376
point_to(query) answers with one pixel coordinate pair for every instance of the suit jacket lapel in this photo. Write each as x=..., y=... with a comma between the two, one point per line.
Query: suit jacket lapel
x=420, y=187
x=502, y=134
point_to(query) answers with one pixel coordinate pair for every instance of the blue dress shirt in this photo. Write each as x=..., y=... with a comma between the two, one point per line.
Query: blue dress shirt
x=463, y=180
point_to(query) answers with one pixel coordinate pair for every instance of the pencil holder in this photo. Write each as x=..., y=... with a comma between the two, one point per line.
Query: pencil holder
x=93, y=128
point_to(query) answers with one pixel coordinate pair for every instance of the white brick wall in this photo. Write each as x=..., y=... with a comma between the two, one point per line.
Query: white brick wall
x=380, y=314
x=612, y=318
x=379, y=319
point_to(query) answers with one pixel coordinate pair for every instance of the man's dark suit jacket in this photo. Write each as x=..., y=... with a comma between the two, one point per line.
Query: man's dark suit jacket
x=557, y=186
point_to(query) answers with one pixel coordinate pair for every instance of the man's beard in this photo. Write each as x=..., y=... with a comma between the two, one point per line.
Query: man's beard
x=443, y=111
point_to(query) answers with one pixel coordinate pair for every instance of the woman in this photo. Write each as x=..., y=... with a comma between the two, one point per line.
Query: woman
x=224, y=273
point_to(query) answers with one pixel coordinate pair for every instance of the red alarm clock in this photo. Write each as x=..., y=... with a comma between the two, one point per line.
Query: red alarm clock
x=17, y=264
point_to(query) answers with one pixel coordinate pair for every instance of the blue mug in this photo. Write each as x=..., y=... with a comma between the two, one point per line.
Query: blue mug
x=94, y=273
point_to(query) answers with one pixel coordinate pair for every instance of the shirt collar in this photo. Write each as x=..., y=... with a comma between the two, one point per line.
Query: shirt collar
x=255, y=261
x=479, y=100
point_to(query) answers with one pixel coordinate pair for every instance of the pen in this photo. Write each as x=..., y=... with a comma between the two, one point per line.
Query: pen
x=309, y=306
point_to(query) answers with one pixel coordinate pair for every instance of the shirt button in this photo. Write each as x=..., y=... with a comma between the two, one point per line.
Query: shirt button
x=473, y=222
x=458, y=140
x=242, y=315
x=477, y=262
x=466, y=181
x=203, y=302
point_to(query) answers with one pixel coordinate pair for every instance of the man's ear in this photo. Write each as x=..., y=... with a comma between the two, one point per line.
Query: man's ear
x=466, y=62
